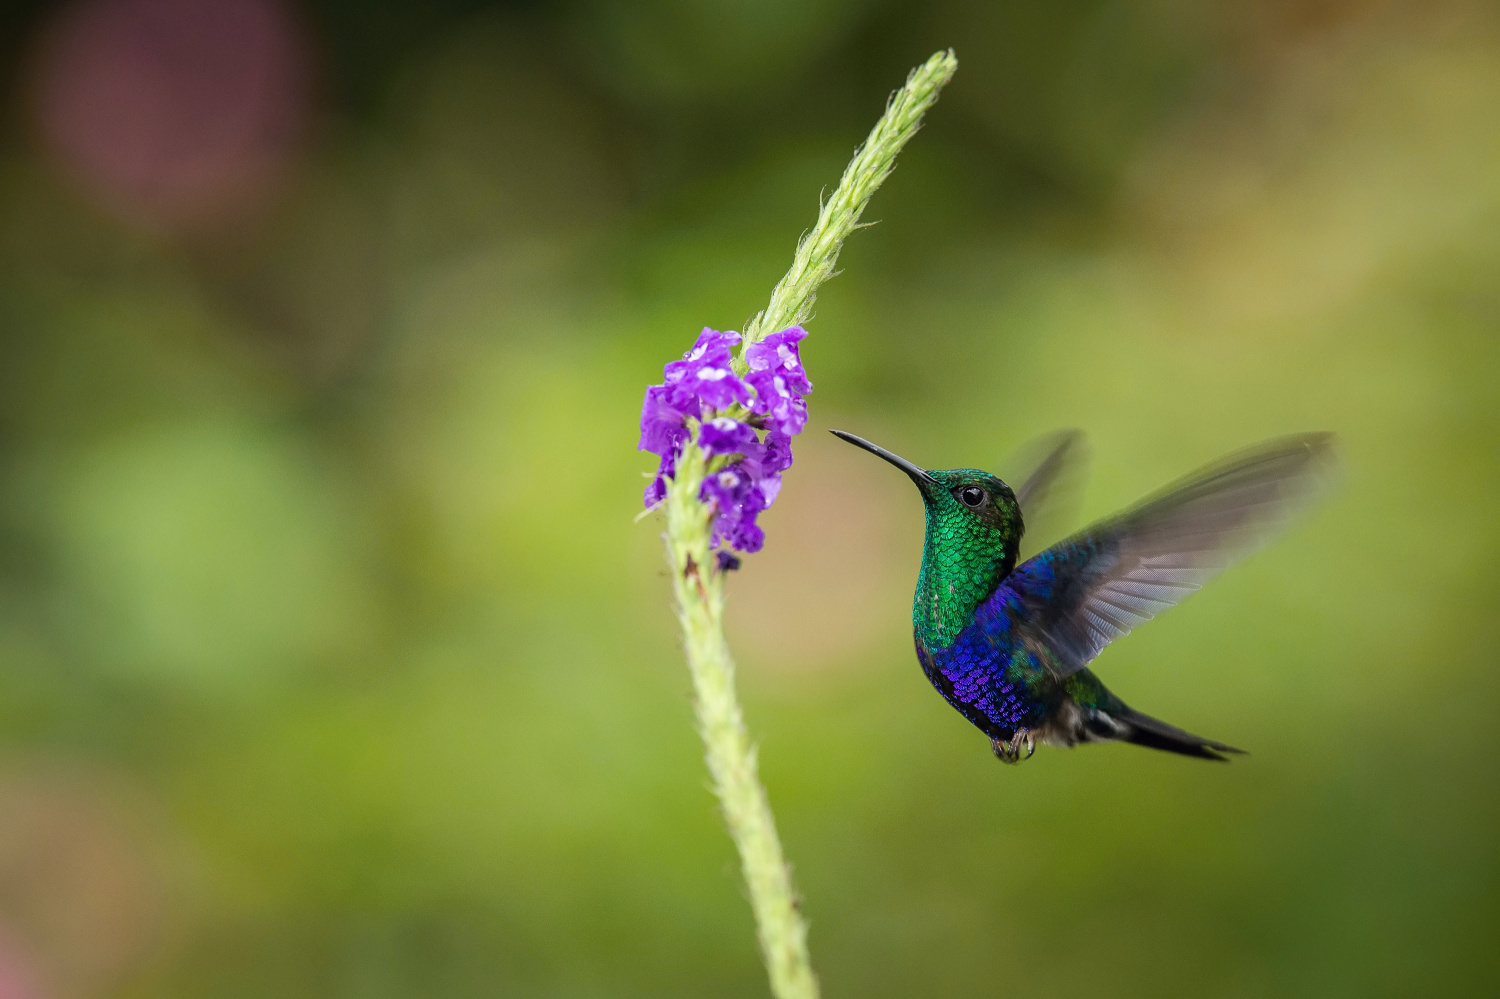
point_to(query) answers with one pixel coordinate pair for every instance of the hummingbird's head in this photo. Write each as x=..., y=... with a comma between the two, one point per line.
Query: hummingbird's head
x=966, y=508
x=973, y=533
x=979, y=499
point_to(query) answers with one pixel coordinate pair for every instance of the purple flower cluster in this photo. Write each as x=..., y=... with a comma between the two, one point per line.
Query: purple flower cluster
x=701, y=387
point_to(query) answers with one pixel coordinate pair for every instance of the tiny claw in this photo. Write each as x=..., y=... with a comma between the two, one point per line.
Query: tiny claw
x=1009, y=750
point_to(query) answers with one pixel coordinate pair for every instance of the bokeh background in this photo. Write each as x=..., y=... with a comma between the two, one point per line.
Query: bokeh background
x=332, y=663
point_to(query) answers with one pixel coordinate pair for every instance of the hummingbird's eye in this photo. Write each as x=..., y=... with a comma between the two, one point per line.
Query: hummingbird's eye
x=971, y=496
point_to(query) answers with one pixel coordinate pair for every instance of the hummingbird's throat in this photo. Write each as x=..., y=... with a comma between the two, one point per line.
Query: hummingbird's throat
x=958, y=574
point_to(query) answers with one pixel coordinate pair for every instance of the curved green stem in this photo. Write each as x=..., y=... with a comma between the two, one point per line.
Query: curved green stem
x=699, y=583
x=818, y=250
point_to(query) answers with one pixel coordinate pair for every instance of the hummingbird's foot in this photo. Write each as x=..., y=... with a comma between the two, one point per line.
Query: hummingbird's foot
x=1009, y=750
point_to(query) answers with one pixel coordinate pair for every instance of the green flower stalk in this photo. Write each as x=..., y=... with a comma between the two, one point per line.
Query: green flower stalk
x=818, y=251
x=717, y=473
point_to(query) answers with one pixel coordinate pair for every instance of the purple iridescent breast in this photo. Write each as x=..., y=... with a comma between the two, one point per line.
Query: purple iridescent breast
x=988, y=675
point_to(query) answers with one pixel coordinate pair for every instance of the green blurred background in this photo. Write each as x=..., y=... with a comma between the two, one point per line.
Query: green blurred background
x=333, y=664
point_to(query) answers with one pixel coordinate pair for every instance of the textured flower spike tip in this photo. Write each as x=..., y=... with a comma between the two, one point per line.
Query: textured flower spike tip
x=730, y=414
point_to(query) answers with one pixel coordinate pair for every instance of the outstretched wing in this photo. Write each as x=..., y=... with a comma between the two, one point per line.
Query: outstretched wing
x=1091, y=588
x=1052, y=473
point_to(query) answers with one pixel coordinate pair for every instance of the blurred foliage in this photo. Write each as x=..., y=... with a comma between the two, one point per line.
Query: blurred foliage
x=331, y=662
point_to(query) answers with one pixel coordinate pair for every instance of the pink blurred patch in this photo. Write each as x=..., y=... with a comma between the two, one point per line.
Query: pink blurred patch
x=81, y=897
x=16, y=978
x=175, y=113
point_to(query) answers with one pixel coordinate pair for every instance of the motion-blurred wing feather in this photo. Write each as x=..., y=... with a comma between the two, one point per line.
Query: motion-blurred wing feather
x=1091, y=588
x=1054, y=471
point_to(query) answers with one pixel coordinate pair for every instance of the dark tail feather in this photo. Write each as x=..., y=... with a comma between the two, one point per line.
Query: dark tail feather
x=1143, y=730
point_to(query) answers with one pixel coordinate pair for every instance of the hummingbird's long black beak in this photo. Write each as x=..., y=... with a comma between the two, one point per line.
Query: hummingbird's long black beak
x=918, y=475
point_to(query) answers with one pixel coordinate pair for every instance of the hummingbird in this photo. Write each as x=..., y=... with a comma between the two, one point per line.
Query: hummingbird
x=1009, y=646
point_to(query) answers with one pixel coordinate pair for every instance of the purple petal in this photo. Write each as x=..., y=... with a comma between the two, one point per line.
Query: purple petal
x=765, y=352
x=726, y=487
x=778, y=453
x=712, y=351
x=704, y=379
x=657, y=490
x=707, y=385
x=662, y=428
x=778, y=352
x=725, y=436
x=770, y=488
x=784, y=408
x=711, y=341
x=769, y=458
x=736, y=499
x=745, y=535
x=715, y=387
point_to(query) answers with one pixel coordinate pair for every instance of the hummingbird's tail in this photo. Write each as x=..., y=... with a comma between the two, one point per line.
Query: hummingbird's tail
x=1143, y=730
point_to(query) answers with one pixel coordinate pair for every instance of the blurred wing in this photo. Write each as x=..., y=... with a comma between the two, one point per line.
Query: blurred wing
x=1055, y=471
x=1091, y=588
